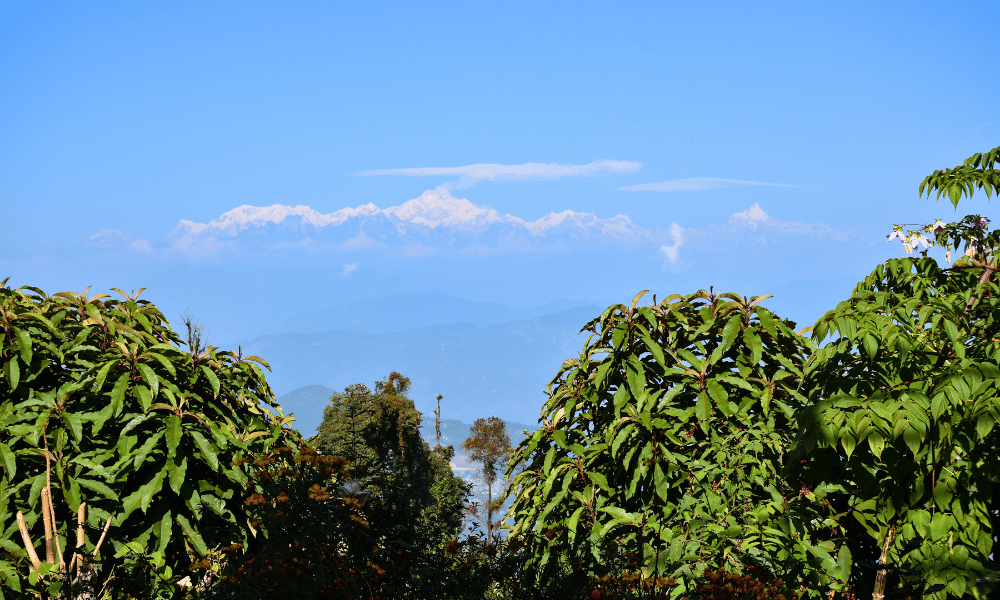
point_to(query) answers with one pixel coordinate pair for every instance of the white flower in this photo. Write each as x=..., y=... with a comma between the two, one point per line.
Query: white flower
x=919, y=239
x=937, y=227
x=186, y=582
x=896, y=235
x=983, y=221
x=970, y=246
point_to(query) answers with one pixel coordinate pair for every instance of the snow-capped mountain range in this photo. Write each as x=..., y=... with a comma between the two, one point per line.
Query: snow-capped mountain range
x=436, y=219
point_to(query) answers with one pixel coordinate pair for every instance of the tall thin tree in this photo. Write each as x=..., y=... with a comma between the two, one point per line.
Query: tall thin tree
x=489, y=444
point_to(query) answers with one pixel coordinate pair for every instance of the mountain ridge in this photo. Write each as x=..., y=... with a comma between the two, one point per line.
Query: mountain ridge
x=435, y=218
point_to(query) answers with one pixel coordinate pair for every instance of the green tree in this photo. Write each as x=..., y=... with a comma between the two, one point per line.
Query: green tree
x=669, y=434
x=489, y=444
x=415, y=502
x=99, y=405
x=901, y=433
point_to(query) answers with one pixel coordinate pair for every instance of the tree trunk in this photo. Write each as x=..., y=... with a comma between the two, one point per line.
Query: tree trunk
x=879, y=592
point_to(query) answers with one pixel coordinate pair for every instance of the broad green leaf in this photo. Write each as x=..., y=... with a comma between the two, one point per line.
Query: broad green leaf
x=13, y=372
x=870, y=345
x=192, y=535
x=102, y=374
x=704, y=409
x=754, y=345
x=118, y=394
x=654, y=349
x=913, y=439
x=213, y=380
x=97, y=486
x=848, y=441
x=719, y=395
x=730, y=331
x=877, y=443
x=24, y=344
x=150, y=489
x=177, y=468
x=574, y=519
x=207, y=451
x=941, y=523
x=166, y=528
x=75, y=424
x=9, y=464
x=174, y=430
x=143, y=452
x=984, y=424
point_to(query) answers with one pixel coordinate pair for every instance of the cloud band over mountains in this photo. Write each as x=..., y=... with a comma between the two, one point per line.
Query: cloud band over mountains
x=438, y=223
x=435, y=222
x=470, y=175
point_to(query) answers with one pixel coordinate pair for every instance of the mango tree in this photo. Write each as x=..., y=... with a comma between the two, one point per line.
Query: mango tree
x=100, y=404
x=669, y=432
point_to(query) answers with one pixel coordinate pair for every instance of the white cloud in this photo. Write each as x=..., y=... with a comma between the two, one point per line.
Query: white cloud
x=755, y=218
x=470, y=175
x=141, y=245
x=348, y=269
x=670, y=252
x=109, y=237
x=697, y=184
x=754, y=227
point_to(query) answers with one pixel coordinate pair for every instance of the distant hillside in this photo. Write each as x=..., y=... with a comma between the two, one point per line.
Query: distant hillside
x=498, y=370
x=401, y=312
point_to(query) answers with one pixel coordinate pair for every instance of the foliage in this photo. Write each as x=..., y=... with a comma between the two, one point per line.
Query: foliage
x=976, y=172
x=415, y=503
x=669, y=433
x=905, y=406
x=315, y=542
x=140, y=430
x=489, y=444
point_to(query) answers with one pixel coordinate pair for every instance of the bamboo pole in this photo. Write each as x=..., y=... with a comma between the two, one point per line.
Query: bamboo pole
x=28, y=545
x=81, y=515
x=104, y=533
x=47, y=522
x=55, y=535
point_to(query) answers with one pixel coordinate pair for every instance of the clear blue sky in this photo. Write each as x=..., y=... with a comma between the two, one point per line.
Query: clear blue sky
x=133, y=116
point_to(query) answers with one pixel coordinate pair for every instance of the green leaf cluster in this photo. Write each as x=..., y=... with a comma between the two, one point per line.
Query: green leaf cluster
x=669, y=431
x=905, y=414
x=143, y=432
x=415, y=501
x=977, y=172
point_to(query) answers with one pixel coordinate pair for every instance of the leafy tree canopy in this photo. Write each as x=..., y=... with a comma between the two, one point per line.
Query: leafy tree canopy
x=143, y=432
x=669, y=432
x=378, y=431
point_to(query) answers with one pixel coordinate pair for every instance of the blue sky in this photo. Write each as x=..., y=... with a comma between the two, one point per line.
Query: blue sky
x=134, y=116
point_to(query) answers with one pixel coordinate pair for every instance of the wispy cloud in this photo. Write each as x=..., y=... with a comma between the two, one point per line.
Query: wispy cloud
x=348, y=269
x=670, y=252
x=697, y=184
x=470, y=175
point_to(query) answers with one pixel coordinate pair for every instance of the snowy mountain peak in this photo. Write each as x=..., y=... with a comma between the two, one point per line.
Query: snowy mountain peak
x=435, y=219
x=438, y=207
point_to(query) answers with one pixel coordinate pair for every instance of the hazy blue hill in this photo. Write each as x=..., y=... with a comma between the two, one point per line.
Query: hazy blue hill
x=454, y=432
x=306, y=404
x=498, y=370
x=408, y=311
